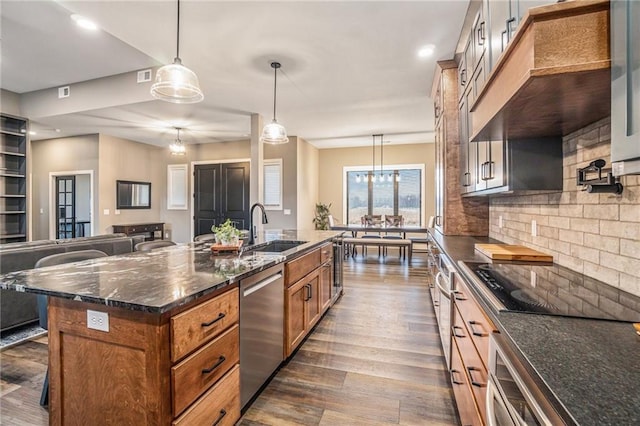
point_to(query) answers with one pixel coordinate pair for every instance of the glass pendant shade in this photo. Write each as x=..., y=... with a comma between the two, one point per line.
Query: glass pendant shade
x=274, y=133
x=177, y=148
x=176, y=83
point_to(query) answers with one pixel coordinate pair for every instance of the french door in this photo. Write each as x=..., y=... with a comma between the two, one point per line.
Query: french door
x=65, y=207
x=221, y=193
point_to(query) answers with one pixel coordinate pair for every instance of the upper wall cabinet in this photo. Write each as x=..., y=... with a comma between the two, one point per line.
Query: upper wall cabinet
x=625, y=87
x=13, y=179
x=554, y=74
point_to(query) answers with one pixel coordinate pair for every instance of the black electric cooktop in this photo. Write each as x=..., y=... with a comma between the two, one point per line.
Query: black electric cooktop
x=551, y=290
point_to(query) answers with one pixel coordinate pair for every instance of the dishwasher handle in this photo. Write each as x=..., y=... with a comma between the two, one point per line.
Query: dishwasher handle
x=260, y=284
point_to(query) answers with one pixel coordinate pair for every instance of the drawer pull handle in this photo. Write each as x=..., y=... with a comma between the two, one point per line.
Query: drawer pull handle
x=207, y=324
x=475, y=382
x=214, y=366
x=456, y=327
x=220, y=417
x=459, y=295
x=453, y=377
x=473, y=330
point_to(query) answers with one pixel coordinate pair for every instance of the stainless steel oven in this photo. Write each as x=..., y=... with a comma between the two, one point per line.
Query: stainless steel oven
x=512, y=398
x=444, y=287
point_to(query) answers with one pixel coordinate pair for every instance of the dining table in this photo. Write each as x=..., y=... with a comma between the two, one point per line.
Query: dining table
x=402, y=229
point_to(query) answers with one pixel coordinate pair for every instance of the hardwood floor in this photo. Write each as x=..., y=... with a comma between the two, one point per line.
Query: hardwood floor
x=22, y=370
x=374, y=359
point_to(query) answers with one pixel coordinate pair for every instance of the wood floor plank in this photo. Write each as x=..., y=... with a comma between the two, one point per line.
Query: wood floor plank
x=368, y=353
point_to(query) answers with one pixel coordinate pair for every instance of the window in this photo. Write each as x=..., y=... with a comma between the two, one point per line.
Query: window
x=177, y=187
x=396, y=191
x=272, y=196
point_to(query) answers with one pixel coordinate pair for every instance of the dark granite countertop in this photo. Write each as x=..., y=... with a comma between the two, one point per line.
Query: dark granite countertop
x=158, y=280
x=588, y=368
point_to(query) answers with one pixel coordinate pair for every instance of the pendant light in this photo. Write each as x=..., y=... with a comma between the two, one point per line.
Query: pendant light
x=373, y=158
x=274, y=133
x=175, y=82
x=382, y=160
x=177, y=147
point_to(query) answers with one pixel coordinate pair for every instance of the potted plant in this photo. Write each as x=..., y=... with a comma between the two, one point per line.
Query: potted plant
x=321, y=220
x=227, y=234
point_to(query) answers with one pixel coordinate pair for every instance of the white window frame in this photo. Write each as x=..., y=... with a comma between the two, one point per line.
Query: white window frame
x=389, y=167
x=177, y=181
x=272, y=162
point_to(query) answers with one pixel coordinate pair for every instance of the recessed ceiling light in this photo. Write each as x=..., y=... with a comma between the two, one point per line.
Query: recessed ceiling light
x=426, y=51
x=57, y=130
x=33, y=132
x=83, y=22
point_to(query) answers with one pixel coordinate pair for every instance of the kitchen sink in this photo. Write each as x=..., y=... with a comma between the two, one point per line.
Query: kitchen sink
x=277, y=246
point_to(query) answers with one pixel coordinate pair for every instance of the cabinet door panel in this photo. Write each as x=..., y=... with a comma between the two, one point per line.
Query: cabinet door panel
x=496, y=164
x=499, y=13
x=314, y=301
x=525, y=5
x=295, y=315
x=326, y=278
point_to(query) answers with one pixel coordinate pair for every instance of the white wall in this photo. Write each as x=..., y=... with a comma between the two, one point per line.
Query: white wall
x=58, y=155
x=308, y=183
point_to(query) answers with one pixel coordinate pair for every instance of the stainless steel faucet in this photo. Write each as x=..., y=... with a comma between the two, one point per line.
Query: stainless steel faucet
x=252, y=230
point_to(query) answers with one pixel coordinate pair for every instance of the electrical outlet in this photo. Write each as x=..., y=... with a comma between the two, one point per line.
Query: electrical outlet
x=105, y=212
x=534, y=228
x=287, y=211
x=500, y=222
x=116, y=211
x=98, y=320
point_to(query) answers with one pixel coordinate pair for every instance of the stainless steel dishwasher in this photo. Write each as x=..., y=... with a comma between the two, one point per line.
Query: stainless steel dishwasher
x=261, y=329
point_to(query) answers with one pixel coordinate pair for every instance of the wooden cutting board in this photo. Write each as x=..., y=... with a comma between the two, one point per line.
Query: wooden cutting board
x=512, y=252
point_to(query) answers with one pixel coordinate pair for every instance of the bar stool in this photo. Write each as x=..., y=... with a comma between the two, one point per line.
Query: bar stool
x=43, y=301
x=152, y=245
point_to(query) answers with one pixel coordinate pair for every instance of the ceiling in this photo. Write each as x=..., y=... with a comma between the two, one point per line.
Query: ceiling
x=349, y=69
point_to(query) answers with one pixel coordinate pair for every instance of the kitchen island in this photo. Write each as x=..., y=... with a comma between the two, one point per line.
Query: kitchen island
x=150, y=337
x=585, y=368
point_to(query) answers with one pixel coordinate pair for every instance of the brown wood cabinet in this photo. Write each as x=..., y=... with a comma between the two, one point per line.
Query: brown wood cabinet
x=455, y=215
x=551, y=78
x=303, y=308
x=467, y=408
x=308, y=284
x=148, y=368
x=470, y=337
x=326, y=276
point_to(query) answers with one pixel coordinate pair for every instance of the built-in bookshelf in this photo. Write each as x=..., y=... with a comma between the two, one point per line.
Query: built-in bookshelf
x=13, y=178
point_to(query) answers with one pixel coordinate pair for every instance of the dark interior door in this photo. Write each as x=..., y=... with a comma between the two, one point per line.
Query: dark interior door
x=66, y=207
x=221, y=193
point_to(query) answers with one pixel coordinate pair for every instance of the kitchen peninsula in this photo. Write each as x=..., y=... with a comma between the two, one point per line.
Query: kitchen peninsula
x=151, y=337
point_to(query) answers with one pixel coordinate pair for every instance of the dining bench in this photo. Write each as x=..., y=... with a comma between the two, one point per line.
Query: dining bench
x=379, y=242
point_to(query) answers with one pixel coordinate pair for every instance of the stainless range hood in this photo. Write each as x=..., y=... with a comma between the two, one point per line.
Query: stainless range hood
x=625, y=87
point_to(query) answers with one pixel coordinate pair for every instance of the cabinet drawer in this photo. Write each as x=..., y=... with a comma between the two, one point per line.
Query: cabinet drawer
x=326, y=253
x=474, y=320
x=202, y=323
x=198, y=372
x=464, y=398
x=473, y=366
x=219, y=406
x=298, y=268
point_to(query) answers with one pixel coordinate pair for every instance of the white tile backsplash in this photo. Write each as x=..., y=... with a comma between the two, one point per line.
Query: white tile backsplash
x=595, y=234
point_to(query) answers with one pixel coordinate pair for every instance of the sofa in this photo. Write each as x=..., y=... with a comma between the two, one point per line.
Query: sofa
x=18, y=309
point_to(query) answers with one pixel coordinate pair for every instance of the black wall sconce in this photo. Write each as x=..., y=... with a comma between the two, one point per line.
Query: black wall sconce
x=592, y=184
